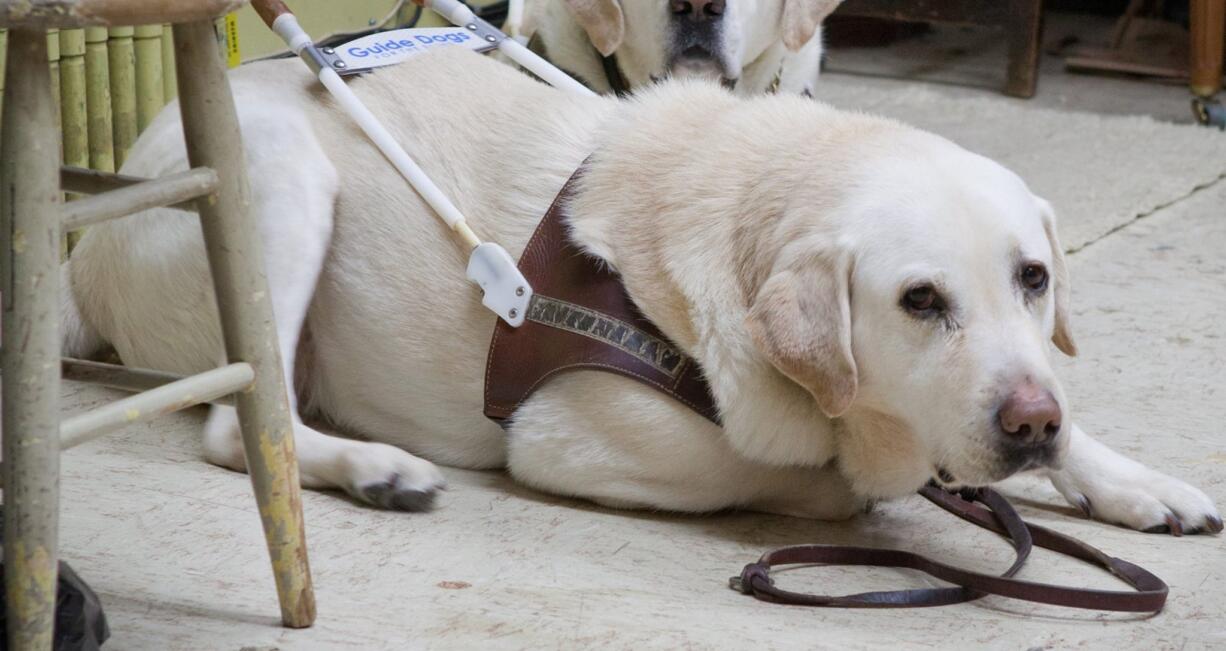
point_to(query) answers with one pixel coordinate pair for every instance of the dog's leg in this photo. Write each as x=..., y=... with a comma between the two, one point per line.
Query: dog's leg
x=293, y=201
x=1111, y=487
x=758, y=75
x=800, y=70
x=621, y=444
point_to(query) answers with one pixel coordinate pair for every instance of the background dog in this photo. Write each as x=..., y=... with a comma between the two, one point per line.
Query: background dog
x=747, y=44
x=871, y=304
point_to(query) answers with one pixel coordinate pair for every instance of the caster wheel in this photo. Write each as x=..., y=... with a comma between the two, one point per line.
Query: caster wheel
x=1209, y=112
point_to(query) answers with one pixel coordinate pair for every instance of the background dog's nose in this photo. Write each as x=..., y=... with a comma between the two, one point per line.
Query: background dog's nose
x=698, y=10
x=1030, y=415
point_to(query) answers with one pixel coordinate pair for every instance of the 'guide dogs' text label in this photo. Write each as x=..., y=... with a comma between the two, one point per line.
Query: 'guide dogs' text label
x=386, y=48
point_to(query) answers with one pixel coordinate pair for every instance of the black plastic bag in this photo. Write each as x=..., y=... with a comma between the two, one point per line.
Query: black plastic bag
x=80, y=624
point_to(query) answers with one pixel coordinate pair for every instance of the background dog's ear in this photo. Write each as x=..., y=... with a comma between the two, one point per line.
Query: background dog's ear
x=602, y=20
x=801, y=321
x=1062, y=335
x=801, y=19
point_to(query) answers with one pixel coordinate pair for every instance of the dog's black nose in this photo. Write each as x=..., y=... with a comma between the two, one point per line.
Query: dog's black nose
x=698, y=10
x=1030, y=415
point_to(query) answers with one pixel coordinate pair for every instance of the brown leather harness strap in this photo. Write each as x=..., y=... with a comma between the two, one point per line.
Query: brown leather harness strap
x=580, y=317
x=1150, y=594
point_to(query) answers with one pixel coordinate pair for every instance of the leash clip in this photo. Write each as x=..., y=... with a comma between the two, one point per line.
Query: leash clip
x=744, y=583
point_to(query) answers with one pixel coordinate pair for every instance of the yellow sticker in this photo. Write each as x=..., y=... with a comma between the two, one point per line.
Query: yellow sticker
x=233, y=58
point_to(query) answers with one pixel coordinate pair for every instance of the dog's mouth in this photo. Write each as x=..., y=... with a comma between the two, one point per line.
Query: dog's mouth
x=943, y=478
x=1011, y=462
x=1015, y=459
x=697, y=62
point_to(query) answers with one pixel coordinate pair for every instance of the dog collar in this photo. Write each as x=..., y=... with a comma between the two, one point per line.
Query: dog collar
x=580, y=317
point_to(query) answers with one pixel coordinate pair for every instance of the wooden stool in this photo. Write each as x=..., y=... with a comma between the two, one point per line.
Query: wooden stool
x=31, y=221
x=1022, y=21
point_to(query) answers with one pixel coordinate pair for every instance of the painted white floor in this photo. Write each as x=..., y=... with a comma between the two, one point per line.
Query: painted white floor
x=173, y=545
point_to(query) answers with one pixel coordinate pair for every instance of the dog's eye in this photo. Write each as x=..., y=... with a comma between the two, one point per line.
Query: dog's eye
x=923, y=300
x=1034, y=277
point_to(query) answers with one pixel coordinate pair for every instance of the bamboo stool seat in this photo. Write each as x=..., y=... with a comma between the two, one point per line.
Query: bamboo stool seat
x=32, y=218
x=48, y=14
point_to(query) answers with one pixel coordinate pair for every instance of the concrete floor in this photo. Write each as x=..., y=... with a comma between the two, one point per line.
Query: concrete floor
x=174, y=549
x=970, y=62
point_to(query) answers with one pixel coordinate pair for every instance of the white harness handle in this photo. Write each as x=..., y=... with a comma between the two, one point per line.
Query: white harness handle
x=506, y=292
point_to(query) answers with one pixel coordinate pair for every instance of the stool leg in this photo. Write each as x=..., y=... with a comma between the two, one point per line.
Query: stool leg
x=1025, y=31
x=232, y=238
x=29, y=357
x=1208, y=25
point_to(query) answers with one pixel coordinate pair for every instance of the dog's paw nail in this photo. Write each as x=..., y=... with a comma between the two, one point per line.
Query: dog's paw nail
x=1174, y=524
x=1083, y=503
x=1213, y=524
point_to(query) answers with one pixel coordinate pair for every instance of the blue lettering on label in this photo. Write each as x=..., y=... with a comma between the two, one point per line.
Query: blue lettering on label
x=392, y=48
x=426, y=39
x=384, y=48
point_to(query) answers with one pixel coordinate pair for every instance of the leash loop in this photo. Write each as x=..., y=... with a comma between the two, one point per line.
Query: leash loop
x=998, y=516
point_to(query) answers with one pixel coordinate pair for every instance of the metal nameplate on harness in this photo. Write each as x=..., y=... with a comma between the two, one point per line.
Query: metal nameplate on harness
x=398, y=45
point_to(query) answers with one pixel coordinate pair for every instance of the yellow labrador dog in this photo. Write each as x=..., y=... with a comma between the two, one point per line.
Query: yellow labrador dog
x=747, y=44
x=871, y=304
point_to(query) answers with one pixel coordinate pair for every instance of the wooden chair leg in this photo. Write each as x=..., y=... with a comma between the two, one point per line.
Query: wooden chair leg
x=29, y=357
x=232, y=239
x=1208, y=22
x=1025, y=31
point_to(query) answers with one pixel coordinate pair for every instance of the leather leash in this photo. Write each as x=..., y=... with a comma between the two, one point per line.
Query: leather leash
x=1149, y=596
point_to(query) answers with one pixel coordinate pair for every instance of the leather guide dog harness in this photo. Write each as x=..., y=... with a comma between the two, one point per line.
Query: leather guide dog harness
x=580, y=317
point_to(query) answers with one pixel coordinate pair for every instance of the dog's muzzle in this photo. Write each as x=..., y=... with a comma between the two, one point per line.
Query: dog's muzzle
x=697, y=40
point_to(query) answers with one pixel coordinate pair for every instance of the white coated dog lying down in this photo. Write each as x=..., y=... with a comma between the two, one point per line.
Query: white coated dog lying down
x=871, y=304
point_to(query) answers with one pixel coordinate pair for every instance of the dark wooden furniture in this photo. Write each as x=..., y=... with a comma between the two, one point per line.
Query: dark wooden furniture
x=1020, y=19
x=1208, y=24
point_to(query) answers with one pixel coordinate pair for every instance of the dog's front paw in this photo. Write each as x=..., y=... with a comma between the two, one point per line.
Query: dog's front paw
x=1150, y=501
x=1110, y=487
x=390, y=478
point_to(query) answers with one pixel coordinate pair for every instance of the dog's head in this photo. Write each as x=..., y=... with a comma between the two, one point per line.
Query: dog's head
x=919, y=310
x=708, y=38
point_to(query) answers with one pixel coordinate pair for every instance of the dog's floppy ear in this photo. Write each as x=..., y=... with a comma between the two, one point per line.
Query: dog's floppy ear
x=602, y=20
x=801, y=18
x=801, y=320
x=1062, y=335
